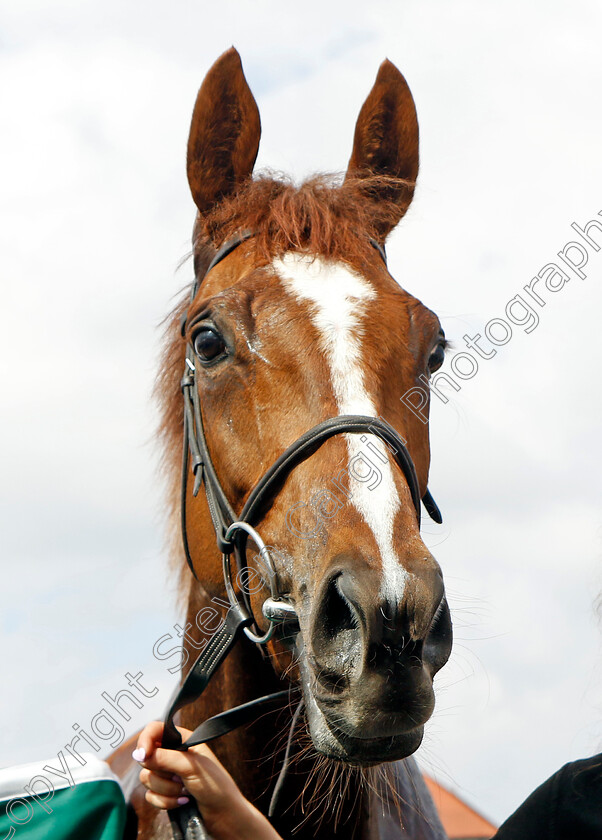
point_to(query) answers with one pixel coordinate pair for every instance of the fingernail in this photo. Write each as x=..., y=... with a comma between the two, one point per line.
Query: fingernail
x=139, y=754
x=182, y=800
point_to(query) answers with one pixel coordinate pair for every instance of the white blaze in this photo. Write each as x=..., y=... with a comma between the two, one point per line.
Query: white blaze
x=338, y=296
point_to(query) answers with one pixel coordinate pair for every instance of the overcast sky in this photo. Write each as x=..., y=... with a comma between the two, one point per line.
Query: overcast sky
x=95, y=103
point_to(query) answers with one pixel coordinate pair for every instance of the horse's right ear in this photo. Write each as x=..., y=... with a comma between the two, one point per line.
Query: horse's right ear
x=386, y=144
x=224, y=134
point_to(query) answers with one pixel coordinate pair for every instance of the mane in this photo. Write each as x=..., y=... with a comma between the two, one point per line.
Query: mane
x=326, y=216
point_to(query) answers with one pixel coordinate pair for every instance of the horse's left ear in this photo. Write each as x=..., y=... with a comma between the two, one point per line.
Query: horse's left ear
x=386, y=144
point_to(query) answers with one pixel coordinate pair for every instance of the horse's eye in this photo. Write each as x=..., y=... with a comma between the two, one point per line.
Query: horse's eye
x=436, y=357
x=208, y=344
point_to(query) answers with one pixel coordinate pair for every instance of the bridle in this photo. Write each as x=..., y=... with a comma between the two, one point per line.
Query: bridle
x=232, y=533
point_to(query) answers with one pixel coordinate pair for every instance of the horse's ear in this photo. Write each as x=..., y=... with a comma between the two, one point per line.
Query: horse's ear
x=386, y=144
x=224, y=134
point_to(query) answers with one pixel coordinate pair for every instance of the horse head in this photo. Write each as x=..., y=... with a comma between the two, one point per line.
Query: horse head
x=299, y=323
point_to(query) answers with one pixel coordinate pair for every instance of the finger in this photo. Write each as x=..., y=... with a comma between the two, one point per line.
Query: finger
x=201, y=773
x=171, y=762
x=165, y=802
x=165, y=774
x=148, y=740
x=171, y=786
x=198, y=762
x=185, y=733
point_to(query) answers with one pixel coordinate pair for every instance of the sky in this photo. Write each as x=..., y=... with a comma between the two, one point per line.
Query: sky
x=95, y=217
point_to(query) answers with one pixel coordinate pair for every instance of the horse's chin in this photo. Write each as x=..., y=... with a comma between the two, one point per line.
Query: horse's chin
x=364, y=752
x=332, y=741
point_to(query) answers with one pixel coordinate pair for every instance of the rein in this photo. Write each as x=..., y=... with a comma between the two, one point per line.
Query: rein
x=232, y=533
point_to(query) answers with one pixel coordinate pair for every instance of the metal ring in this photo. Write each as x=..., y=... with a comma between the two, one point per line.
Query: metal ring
x=228, y=581
x=264, y=554
x=260, y=640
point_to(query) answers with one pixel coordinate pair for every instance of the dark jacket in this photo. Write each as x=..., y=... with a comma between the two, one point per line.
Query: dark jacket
x=568, y=806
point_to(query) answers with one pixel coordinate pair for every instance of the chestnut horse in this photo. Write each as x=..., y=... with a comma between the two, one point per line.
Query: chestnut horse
x=299, y=323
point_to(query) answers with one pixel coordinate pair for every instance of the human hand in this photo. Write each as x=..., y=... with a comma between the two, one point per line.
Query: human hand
x=172, y=776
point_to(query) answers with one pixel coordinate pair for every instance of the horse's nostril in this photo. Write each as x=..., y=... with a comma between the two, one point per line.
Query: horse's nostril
x=438, y=642
x=357, y=635
x=336, y=636
x=338, y=612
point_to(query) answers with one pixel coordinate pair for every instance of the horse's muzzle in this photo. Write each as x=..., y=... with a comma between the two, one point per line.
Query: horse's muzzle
x=368, y=669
